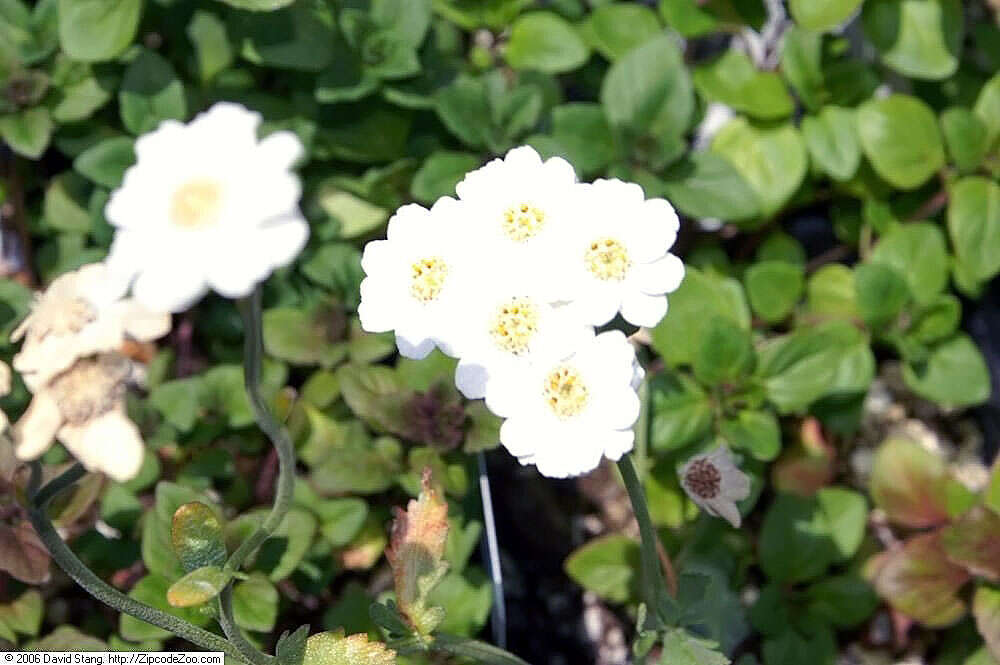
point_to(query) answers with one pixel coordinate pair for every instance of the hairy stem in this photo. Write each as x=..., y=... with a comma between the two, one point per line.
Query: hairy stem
x=654, y=587
x=253, y=349
x=97, y=587
x=233, y=632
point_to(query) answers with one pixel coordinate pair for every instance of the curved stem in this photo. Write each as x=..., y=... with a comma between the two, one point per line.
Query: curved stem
x=58, y=484
x=654, y=587
x=250, y=308
x=233, y=632
x=104, y=592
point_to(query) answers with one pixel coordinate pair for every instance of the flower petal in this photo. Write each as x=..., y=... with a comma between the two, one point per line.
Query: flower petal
x=110, y=443
x=661, y=276
x=34, y=432
x=644, y=310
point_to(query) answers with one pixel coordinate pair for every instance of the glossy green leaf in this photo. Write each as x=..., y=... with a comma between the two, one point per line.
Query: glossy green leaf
x=974, y=225
x=900, y=137
x=545, y=42
x=918, y=38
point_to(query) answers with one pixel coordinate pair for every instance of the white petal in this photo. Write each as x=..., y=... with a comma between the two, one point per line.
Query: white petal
x=34, y=432
x=617, y=444
x=110, y=443
x=376, y=313
x=252, y=256
x=661, y=276
x=161, y=288
x=471, y=379
x=143, y=324
x=644, y=310
x=598, y=305
x=413, y=345
x=519, y=436
x=524, y=158
x=559, y=460
x=725, y=509
x=619, y=408
x=280, y=150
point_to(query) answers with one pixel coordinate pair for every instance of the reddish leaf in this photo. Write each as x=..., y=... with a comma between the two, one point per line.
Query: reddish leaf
x=973, y=541
x=23, y=555
x=807, y=467
x=919, y=580
x=910, y=484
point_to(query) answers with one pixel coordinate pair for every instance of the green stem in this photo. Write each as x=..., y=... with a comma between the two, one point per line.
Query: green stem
x=654, y=587
x=98, y=588
x=233, y=632
x=64, y=480
x=250, y=308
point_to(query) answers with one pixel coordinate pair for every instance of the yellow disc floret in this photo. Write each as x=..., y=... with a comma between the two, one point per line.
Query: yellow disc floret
x=514, y=324
x=427, y=278
x=196, y=203
x=607, y=259
x=523, y=221
x=565, y=391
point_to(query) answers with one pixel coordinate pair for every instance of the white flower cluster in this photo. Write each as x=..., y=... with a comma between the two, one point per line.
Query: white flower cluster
x=511, y=278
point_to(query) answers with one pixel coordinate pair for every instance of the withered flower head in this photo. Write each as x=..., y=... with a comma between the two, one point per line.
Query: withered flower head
x=84, y=407
x=715, y=483
x=81, y=313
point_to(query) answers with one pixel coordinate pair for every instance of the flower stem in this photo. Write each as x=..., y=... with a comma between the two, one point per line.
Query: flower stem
x=491, y=555
x=477, y=651
x=250, y=308
x=97, y=587
x=654, y=587
x=233, y=632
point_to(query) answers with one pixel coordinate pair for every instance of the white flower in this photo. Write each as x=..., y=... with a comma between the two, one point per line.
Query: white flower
x=564, y=416
x=206, y=205
x=84, y=407
x=417, y=279
x=519, y=210
x=81, y=313
x=619, y=254
x=716, y=484
x=506, y=328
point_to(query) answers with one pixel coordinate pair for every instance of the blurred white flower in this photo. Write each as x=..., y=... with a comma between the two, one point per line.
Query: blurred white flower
x=206, y=206
x=619, y=254
x=4, y=389
x=84, y=407
x=564, y=416
x=416, y=280
x=715, y=483
x=506, y=329
x=81, y=313
x=519, y=210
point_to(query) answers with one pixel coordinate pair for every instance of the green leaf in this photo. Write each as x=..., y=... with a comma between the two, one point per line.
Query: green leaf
x=974, y=225
x=910, y=484
x=682, y=648
x=841, y=600
x=584, y=136
x=846, y=513
x=831, y=292
x=291, y=647
x=197, y=587
x=687, y=17
x=822, y=15
x=832, y=140
x=648, y=91
x=725, y=352
x=918, y=580
x=23, y=615
x=545, y=42
x=772, y=160
x=65, y=205
x=966, y=137
x=258, y=5
x=700, y=296
x=305, y=337
x=196, y=535
x=607, y=566
x=341, y=519
x=757, y=432
x=152, y=590
x=212, y=49
x=917, y=38
x=360, y=470
x=774, y=288
x=335, y=649
x=439, y=173
x=300, y=37
x=901, y=139
x=682, y=411
x=705, y=185
x=954, y=375
x=615, y=29
x=973, y=541
x=96, y=30
x=987, y=109
x=27, y=132
x=280, y=555
x=255, y=604
x=104, y=163
x=917, y=252
x=881, y=293
x=795, y=543
x=734, y=81
x=150, y=94
x=986, y=610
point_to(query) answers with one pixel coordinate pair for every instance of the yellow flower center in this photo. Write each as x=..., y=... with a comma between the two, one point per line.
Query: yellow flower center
x=196, y=203
x=565, y=391
x=607, y=259
x=514, y=325
x=523, y=221
x=427, y=278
